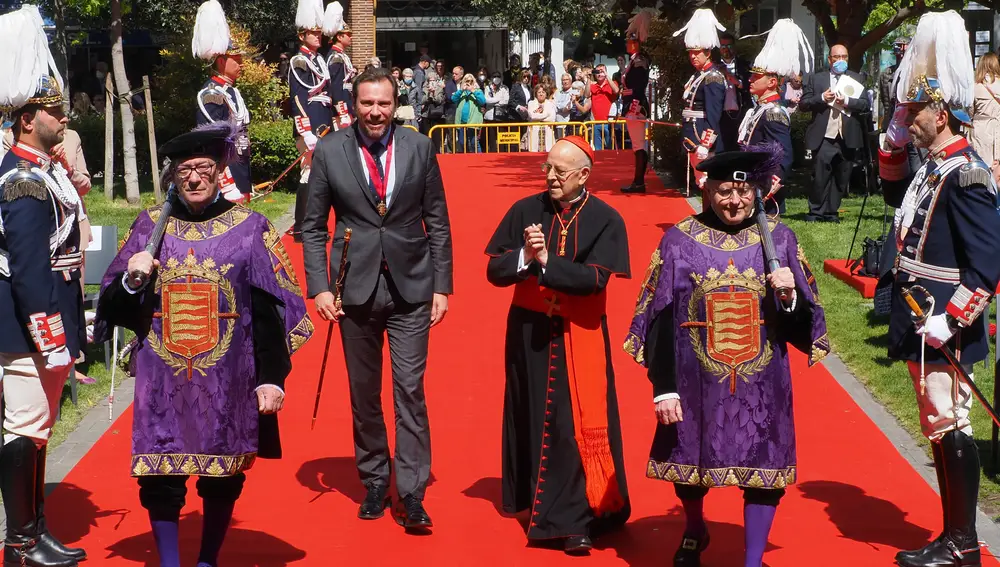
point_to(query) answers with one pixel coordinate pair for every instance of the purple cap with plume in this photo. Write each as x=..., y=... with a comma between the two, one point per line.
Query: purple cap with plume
x=755, y=164
x=216, y=140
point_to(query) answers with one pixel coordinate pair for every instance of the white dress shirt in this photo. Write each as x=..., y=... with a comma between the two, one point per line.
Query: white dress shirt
x=391, y=174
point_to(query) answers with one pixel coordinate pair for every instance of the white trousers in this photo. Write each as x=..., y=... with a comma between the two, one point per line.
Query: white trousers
x=946, y=402
x=306, y=164
x=31, y=396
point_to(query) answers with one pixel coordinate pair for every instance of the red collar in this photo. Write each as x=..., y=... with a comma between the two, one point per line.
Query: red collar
x=949, y=147
x=772, y=98
x=221, y=80
x=336, y=47
x=26, y=152
x=707, y=66
x=306, y=51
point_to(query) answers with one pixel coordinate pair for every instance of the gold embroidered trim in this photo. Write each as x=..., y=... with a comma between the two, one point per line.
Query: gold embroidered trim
x=301, y=334
x=718, y=240
x=635, y=347
x=191, y=464
x=724, y=476
x=820, y=348
x=197, y=231
x=648, y=291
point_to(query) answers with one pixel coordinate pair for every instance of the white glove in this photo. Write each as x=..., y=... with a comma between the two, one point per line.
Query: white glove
x=58, y=360
x=702, y=152
x=937, y=330
x=897, y=134
x=310, y=139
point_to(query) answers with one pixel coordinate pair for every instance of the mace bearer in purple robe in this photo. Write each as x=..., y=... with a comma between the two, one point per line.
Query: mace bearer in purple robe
x=713, y=331
x=217, y=314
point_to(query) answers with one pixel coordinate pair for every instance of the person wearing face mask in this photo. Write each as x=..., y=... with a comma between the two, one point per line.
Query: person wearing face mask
x=785, y=54
x=704, y=94
x=947, y=232
x=704, y=387
x=833, y=135
x=497, y=99
x=408, y=99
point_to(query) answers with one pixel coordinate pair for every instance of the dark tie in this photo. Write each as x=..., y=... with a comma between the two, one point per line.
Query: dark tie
x=376, y=150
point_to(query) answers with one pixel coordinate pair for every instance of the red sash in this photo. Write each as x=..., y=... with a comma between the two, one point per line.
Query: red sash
x=377, y=181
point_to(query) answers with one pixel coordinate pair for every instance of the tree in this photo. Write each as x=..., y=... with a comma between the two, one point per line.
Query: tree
x=124, y=94
x=523, y=15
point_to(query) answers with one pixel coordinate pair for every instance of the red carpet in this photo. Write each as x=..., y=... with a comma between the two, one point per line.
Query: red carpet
x=856, y=503
x=841, y=269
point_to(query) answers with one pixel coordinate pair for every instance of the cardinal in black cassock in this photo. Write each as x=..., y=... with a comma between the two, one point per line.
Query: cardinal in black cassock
x=562, y=446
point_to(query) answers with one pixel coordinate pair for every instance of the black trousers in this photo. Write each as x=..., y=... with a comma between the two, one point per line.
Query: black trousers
x=164, y=496
x=833, y=162
x=363, y=330
x=765, y=496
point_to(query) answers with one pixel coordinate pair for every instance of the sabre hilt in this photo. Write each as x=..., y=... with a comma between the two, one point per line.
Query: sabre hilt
x=918, y=311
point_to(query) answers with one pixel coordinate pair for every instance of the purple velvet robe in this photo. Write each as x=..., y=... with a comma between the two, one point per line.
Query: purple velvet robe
x=721, y=344
x=197, y=362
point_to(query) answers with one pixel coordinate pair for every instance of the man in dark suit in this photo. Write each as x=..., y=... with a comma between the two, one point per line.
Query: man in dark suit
x=833, y=136
x=385, y=185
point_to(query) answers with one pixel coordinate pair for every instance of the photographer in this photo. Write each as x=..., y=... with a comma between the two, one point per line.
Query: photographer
x=497, y=99
x=469, y=101
x=603, y=93
x=579, y=103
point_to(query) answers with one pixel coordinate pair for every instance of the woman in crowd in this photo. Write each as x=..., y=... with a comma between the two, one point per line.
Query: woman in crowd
x=986, y=109
x=497, y=99
x=406, y=96
x=541, y=109
x=432, y=112
x=469, y=101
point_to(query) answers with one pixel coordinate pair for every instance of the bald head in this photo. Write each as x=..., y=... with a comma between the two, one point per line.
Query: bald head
x=838, y=52
x=567, y=170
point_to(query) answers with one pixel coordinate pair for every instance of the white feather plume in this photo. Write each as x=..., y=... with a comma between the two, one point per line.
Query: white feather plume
x=333, y=21
x=26, y=57
x=786, y=52
x=309, y=15
x=702, y=30
x=939, y=49
x=639, y=23
x=211, y=31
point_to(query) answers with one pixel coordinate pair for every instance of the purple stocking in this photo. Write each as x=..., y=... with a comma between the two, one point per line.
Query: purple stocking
x=218, y=514
x=695, y=526
x=757, y=520
x=167, y=542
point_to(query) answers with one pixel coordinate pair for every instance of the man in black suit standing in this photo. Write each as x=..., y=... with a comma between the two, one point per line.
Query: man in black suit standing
x=383, y=183
x=833, y=136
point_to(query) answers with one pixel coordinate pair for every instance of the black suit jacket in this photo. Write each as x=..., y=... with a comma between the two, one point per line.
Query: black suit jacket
x=813, y=87
x=414, y=237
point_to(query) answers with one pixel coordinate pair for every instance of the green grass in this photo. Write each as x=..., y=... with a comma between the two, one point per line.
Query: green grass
x=118, y=212
x=859, y=336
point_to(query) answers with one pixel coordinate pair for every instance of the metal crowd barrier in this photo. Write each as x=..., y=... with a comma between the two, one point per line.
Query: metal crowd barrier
x=501, y=137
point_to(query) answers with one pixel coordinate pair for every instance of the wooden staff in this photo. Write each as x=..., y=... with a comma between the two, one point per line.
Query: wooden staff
x=767, y=242
x=337, y=305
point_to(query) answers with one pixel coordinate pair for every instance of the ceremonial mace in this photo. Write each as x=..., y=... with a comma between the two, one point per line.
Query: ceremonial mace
x=338, y=296
x=919, y=317
x=153, y=248
x=767, y=242
x=323, y=130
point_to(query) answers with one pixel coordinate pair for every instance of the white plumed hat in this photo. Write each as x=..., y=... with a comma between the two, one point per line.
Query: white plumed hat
x=937, y=66
x=211, y=32
x=29, y=73
x=333, y=21
x=309, y=15
x=786, y=52
x=702, y=30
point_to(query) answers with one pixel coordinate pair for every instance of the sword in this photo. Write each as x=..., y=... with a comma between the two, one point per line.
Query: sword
x=337, y=305
x=270, y=185
x=767, y=242
x=919, y=315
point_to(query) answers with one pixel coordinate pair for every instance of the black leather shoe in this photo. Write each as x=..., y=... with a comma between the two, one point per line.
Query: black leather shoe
x=635, y=188
x=689, y=553
x=578, y=545
x=376, y=501
x=411, y=515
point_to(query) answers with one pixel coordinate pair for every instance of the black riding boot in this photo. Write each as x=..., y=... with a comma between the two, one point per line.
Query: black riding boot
x=943, y=489
x=301, y=198
x=960, y=545
x=45, y=539
x=18, y=462
x=638, y=180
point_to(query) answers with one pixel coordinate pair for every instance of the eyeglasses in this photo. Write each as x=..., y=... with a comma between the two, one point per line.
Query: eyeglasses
x=560, y=175
x=839, y=57
x=744, y=191
x=203, y=169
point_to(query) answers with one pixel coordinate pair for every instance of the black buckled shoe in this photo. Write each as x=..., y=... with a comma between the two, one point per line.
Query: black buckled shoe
x=411, y=515
x=578, y=545
x=689, y=553
x=635, y=188
x=376, y=501
x=46, y=539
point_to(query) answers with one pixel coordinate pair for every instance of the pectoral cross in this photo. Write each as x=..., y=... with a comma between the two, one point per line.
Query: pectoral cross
x=553, y=305
x=562, y=241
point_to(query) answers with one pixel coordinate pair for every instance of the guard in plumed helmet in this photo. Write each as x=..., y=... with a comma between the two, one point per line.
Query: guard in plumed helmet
x=786, y=54
x=312, y=107
x=635, y=104
x=948, y=236
x=217, y=314
x=342, y=71
x=219, y=99
x=42, y=327
x=704, y=93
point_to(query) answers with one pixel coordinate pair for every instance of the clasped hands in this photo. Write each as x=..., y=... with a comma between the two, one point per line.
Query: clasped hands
x=829, y=96
x=534, y=245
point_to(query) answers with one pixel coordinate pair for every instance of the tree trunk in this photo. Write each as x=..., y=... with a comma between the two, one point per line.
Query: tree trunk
x=122, y=86
x=547, y=49
x=60, y=57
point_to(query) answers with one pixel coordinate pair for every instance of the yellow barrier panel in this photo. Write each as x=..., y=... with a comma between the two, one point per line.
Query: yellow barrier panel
x=609, y=134
x=411, y=127
x=510, y=137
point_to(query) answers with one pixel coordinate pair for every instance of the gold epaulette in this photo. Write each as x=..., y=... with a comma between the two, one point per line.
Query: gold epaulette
x=974, y=173
x=714, y=76
x=777, y=114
